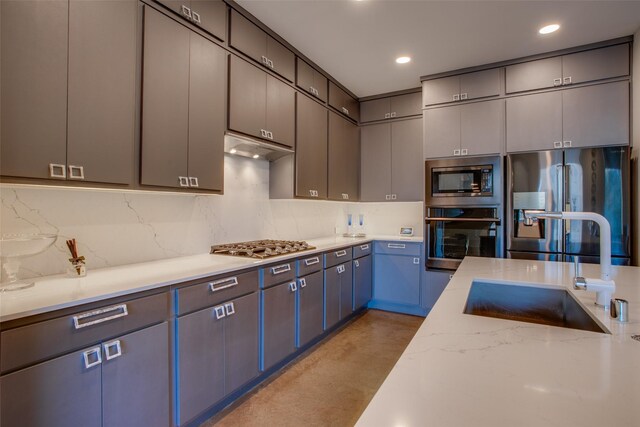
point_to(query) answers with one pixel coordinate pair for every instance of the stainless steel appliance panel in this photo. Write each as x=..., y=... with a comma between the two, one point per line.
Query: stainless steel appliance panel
x=538, y=256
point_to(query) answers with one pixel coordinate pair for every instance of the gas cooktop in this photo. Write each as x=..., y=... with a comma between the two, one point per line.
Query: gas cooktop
x=261, y=248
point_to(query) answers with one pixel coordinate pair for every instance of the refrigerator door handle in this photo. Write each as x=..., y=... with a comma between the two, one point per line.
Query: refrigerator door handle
x=559, y=205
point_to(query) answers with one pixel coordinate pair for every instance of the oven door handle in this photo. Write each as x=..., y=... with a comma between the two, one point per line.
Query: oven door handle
x=496, y=220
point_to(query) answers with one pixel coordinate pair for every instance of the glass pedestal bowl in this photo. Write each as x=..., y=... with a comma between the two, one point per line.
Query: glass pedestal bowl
x=15, y=247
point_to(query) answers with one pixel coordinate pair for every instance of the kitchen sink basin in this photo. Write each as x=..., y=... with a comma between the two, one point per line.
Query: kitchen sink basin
x=528, y=303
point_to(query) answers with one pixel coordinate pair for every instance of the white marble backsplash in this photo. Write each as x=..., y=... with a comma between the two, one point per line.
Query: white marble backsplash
x=124, y=227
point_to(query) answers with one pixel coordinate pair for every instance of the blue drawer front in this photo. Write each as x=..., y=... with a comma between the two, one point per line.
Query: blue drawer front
x=398, y=248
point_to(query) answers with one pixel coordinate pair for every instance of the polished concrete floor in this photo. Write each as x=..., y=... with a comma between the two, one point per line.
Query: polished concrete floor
x=332, y=383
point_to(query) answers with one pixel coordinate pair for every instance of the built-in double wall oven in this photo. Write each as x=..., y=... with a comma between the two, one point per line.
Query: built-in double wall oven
x=463, y=204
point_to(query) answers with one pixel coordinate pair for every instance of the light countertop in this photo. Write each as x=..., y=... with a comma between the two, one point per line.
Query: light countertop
x=56, y=292
x=467, y=370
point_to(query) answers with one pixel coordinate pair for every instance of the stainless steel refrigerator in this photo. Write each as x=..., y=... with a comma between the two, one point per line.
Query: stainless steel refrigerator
x=576, y=179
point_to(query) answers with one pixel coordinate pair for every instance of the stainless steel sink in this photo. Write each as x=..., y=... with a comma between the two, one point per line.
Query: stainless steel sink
x=526, y=303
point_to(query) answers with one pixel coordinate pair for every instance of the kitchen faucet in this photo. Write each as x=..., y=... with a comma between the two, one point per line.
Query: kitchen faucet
x=603, y=287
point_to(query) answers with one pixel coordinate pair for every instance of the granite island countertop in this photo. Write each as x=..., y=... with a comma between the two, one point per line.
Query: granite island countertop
x=466, y=370
x=56, y=292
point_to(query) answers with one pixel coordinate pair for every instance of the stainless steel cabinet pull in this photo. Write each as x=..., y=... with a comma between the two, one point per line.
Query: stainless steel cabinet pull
x=230, y=308
x=76, y=172
x=387, y=116
x=566, y=80
x=393, y=114
x=396, y=245
x=92, y=352
x=219, y=311
x=340, y=269
x=183, y=181
x=557, y=82
x=270, y=63
x=346, y=111
x=456, y=152
x=340, y=253
x=196, y=17
x=293, y=287
x=279, y=269
x=186, y=11
x=387, y=197
x=394, y=196
x=364, y=247
x=566, y=144
x=557, y=144
x=269, y=134
x=193, y=181
x=456, y=97
x=120, y=309
x=356, y=263
x=264, y=60
x=221, y=284
x=463, y=96
x=302, y=282
x=464, y=152
x=345, y=196
x=111, y=345
x=57, y=171
x=311, y=261
x=263, y=133
x=416, y=260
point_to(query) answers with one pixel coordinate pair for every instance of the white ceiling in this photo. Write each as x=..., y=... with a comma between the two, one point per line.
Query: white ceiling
x=357, y=41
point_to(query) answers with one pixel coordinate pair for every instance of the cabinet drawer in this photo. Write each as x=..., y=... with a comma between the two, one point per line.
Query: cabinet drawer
x=398, y=248
x=34, y=343
x=337, y=257
x=362, y=250
x=215, y=290
x=278, y=273
x=309, y=265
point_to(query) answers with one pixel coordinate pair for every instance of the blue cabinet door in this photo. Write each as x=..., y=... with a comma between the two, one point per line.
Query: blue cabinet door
x=397, y=279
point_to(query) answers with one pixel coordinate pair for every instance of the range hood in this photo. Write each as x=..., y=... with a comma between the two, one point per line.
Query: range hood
x=245, y=146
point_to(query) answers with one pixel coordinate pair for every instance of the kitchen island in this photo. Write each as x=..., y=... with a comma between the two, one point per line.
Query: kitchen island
x=467, y=370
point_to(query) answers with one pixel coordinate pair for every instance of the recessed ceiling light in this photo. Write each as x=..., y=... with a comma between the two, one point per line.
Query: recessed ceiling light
x=549, y=29
x=233, y=151
x=255, y=156
x=403, y=59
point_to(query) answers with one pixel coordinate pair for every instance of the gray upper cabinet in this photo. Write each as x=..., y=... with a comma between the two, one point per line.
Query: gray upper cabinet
x=479, y=84
x=184, y=111
x=210, y=15
x=392, y=161
x=343, y=102
x=260, y=105
x=311, y=149
x=461, y=130
x=344, y=159
x=534, y=122
x=391, y=107
x=259, y=46
x=68, y=90
x=590, y=65
x=311, y=80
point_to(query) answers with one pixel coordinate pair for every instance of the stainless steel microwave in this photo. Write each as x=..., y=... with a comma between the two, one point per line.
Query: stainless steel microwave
x=463, y=181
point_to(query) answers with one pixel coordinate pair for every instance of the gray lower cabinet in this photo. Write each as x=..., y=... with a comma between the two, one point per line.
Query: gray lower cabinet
x=479, y=84
x=362, y=282
x=435, y=282
x=120, y=382
x=391, y=107
x=217, y=354
x=278, y=323
x=260, y=105
x=311, y=149
x=68, y=90
x=210, y=15
x=343, y=159
x=311, y=80
x=338, y=291
x=343, y=102
x=184, y=107
x=310, y=308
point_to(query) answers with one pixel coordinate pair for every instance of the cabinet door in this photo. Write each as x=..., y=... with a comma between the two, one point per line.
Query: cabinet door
x=165, y=101
x=102, y=78
x=241, y=347
x=213, y=16
x=480, y=84
x=304, y=76
x=34, y=87
x=435, y=282
x=376, y=109
x=407, y=165
x=343, y=102
x=281, y=59
x=440, y=91
x=331, y=297
x=482, y=127
x=376, y=163
x=344, y=159
x=532, y=75
x=59, y=392
x=534, y=122
x=441, y=132
x=310, y=308
x=397, y=279
x=311, y=148
x=278, y=324
x=247, y=98
x=362, y=286
x=207, y=112
x=320, y=83
x=406, y=105
x=596, y=115
x=200, y=373
x=136, y=379
x=596, y=64
x=247, y=37
x=281, y=111
x=346, y=290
